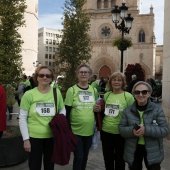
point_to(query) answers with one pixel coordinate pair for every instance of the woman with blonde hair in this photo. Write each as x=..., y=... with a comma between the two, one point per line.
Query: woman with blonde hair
x=115, y=102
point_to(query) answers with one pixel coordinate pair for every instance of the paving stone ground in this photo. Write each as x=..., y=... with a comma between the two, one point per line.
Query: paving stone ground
x=95, y=161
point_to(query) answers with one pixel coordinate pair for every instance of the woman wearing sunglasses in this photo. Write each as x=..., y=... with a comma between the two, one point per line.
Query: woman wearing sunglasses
x=36, y=111
x=144, y=126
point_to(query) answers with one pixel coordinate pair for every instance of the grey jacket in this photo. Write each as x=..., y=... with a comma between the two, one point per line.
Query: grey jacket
x=156, y=128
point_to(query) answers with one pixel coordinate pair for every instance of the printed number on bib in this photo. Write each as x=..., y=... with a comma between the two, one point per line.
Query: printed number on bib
x=45, y=109
x=111, y=110
x=85, y=96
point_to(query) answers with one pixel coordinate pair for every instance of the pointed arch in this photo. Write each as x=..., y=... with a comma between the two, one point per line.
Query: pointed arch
x=105, y=71
x=113, y=3
x=106, y=4
x=99, y=4
x=141, y=36
x=103, y=61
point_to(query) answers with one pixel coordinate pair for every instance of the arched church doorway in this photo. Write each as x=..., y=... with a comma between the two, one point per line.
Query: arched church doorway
x=105, y=71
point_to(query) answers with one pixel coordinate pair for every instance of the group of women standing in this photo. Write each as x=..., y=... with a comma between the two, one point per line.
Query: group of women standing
x=121, y=140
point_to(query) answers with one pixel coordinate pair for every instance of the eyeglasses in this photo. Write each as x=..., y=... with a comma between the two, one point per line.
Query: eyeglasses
x=46, y=75
x=143, y=92
x=83, y=72
x=118, y=80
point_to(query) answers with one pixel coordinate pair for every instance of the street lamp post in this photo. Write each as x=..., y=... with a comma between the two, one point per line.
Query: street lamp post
x=120, y=13
x=36, y=64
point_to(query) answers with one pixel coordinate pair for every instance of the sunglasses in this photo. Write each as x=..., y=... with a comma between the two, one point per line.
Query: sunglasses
x=143, y=92
x=83, y=72
x=46, y=75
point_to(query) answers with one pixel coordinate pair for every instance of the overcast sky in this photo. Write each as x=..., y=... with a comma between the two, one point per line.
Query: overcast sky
x=50, y=14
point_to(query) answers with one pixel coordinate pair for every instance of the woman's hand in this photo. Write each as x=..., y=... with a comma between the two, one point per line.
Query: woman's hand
x=139, y=132
x=27, y=145
x=97, y=108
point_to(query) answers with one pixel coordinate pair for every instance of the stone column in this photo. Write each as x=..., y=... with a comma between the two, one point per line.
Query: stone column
x=102, y=5
x=109, y=1
x=166, y=62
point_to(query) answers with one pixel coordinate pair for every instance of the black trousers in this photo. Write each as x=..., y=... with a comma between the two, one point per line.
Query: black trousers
x=140, y=155
x=81, y=152
x=41, y=149
x=113, y=148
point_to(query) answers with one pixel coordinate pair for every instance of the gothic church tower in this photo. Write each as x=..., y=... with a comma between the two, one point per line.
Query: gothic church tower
x=106, y=58
x=29, y=34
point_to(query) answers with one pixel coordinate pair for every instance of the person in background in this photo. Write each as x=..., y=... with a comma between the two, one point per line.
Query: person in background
x=20, y=92
x=27, y=83
x=102, y=85
x=37, y=109
x=10, y=99
x=134, y=81
x=107, y=89
x=115, y=102
x=32, y=81
x=144, y=126
x=2, y=110
x=94, y=83
x=79, y=103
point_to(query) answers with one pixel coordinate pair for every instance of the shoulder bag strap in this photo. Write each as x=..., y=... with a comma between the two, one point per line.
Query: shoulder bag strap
x=55, y=98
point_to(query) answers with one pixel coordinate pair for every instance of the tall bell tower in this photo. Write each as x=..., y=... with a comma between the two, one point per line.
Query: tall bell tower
x=29, y=34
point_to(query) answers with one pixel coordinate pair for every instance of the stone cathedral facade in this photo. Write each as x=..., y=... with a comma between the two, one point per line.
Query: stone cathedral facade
x=106, y=58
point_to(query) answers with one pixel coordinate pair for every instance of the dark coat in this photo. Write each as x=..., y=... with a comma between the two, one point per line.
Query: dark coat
x=64, y=140
x=156, y=128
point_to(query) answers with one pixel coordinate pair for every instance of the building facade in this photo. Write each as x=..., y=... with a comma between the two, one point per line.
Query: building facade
x=106, y=58
x=48, y=41
x=29, y=34
x=166, y=62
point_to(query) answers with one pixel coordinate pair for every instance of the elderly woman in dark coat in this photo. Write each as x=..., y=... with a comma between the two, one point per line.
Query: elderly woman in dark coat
x=144, y=126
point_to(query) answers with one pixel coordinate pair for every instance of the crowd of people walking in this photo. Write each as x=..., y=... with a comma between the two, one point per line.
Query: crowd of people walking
x=132, y=126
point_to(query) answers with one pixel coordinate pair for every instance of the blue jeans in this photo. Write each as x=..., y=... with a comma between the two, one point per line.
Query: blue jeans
x=81, y=152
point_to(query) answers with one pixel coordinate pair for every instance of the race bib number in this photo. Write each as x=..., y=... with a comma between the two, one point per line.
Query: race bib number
x=85, y=96
x=45, y=109
x=111, y=110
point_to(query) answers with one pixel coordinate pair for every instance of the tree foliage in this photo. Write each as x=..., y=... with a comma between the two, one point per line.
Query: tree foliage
x=134, y=69
x=12, y=18
x=75, y=46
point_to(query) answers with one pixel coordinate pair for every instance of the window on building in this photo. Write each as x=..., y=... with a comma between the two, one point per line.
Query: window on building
x=106, y=3
x=46, y=41
x=50, y=49
x=46, y=63
x=54, y=42
x=46, y=56
x=54, y=49
x=53, y=64
x=49, y=56
x=46, y=48
x=40, y=34
x=54, y=56
x=50, y=63
x=99, y=4
x=113, y=3
x=141, y=36
x=50, y=41
x=46, y=34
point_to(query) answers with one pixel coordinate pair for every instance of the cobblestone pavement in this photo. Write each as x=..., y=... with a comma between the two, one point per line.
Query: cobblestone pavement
x=95, y=161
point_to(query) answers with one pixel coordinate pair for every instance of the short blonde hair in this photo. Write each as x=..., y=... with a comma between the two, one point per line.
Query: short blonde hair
x=115, y=74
